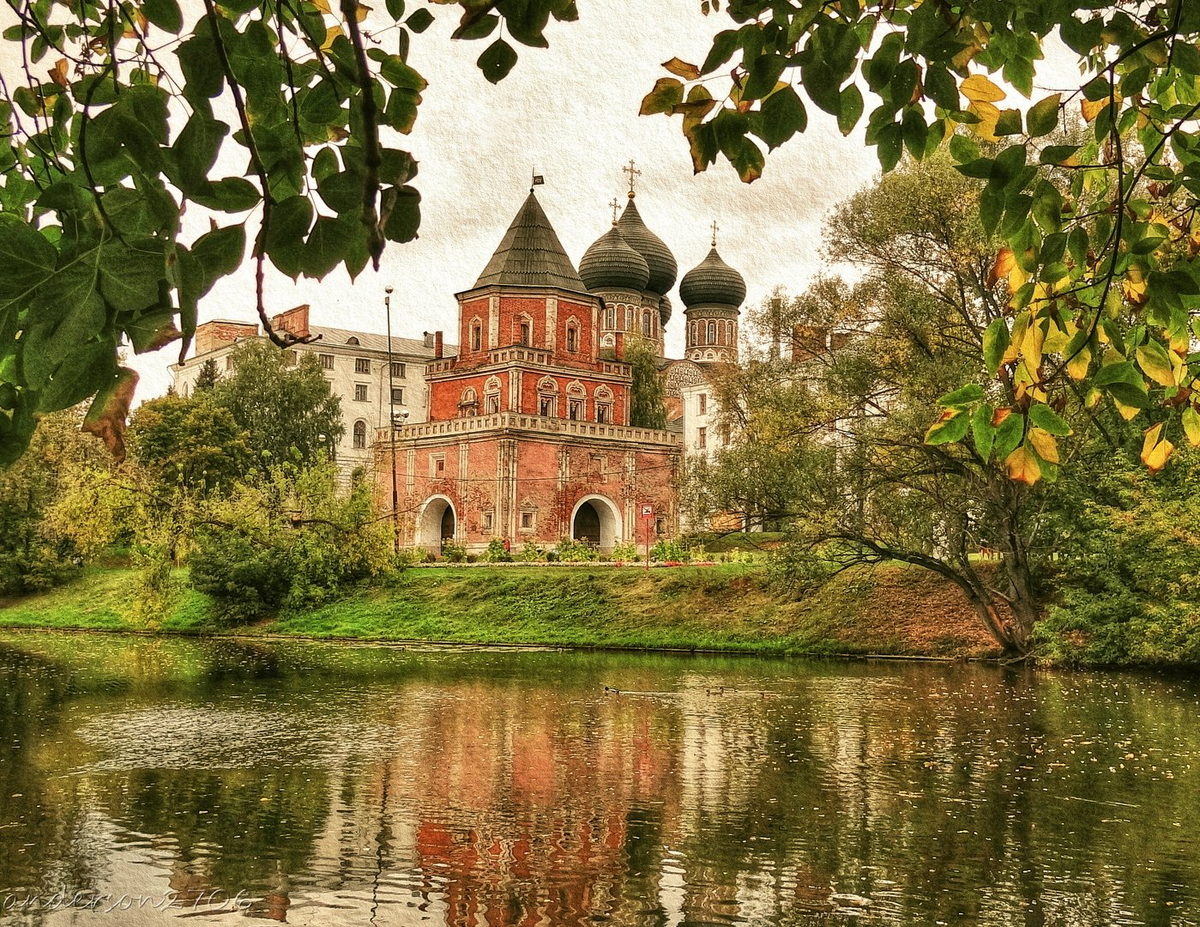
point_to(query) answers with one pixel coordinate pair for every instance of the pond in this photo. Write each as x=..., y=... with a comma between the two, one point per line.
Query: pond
x=337, y=784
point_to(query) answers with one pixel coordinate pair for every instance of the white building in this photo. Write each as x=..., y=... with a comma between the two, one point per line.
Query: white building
x=355, y=363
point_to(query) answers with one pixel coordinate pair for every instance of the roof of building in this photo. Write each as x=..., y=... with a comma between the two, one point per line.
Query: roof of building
x=661, y=261
x=712, y=282
x=374, y=342
x=611, y=264
x=530, y=254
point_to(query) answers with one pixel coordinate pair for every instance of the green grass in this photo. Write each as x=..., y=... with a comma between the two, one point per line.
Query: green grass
x=727, y=607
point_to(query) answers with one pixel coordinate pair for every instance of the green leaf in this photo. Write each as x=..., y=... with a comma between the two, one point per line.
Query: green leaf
x=1042, y=117
x=764, y=74
x=163, y=13
x=217, y=254
x=497, y=60
x=47, y=346
x=83, y=373
x=723, y=46
x=290, y=222
x=130, y=273
x=402, y=209
x=783, y=115
x=941, y=88
x=231, y=194
x=1057, y=154
x=1009, y=122
x=1008, y=435
x=982, y=431
x=26, y=257
x=342, y=192
x=666, y=95
x=1043, y=417
x=327, y=245
x=395, y=8
x=478, y=28
x=995, y=343
x=950, y=428
x=963, y=396
x=420, y=20
x=152, y=330
x=850, y=109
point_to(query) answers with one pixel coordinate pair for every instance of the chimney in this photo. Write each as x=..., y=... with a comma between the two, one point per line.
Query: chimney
x=437, y=345
x=428, y=339
x=294, y=321
x=808, y=341
x=217, y=334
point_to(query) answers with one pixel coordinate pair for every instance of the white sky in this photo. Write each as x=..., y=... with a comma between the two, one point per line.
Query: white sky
x=571, y=113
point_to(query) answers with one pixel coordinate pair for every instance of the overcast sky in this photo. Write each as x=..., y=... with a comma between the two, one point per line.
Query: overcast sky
x=570, y=113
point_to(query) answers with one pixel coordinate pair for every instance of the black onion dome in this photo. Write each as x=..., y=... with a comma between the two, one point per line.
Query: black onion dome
x=664, y=310
x=712, y=282
x=661, y=261
x=611, y=264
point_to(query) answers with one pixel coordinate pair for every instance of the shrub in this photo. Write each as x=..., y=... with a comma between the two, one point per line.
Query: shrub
x=670, y=551
x=626, y=552
x=570, y=551
x=497, y=552
x=531, y=553
x=454, y=553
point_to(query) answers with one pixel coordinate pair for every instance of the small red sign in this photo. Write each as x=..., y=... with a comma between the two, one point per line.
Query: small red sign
x=647, y=510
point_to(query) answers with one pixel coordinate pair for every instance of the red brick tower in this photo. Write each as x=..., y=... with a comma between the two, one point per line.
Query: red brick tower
x=528, y=437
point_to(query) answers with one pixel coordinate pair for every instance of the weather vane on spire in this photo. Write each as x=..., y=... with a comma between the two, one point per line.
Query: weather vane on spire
x=535, y=180
x=616, y=206
x=633, y=173
x=715, y=229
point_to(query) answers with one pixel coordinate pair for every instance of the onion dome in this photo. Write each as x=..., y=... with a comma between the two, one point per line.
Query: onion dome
x=712, y=282
x=664, y=310
x=659, y=258
x=611, y=264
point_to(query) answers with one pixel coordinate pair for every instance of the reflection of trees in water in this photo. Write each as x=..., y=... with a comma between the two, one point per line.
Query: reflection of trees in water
x=42, y=810
x=509, y=788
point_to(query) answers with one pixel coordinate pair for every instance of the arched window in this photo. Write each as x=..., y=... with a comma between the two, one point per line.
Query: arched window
x=572, y=337
x=351, y=340
x=360, y=434
x=468, y=403
x=603, y=398
x=547, y=397
x=612, y=317
x=576, y=401
x=646, y=322
x=712, y=333
x=476, y=335
x=628, y=318
x=491, y=396
x=523, y=330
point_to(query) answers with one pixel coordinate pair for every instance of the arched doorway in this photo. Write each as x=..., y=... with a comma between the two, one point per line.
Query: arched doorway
x=596, y=520
x=436, y=524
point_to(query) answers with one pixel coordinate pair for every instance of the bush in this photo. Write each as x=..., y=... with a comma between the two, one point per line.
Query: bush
x=290, y=541
x=626, y=552
x=570, y=551
x=497, y=552
x=453, y=553
x=669, y=551
x=531, y=553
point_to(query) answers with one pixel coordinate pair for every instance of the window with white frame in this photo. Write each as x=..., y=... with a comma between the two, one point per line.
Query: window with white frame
x=360, y=392
x=362, y=365
x=360, y=434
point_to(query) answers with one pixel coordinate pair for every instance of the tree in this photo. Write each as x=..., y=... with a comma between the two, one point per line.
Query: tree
x=1101, y=243
x=287, y=413
x=125, y=132
x=208, y=376
x=647, y=395
x=33, y=553
x=193, y=444
x=868, y=479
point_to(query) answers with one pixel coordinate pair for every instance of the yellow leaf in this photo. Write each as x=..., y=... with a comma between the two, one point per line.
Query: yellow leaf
x=331, y=35
x=322, y=5
x=988, y=115
x=1031, y=347
x=1155, y=452
x=978, y=89
x=1043, y=442
x=1152, y=365
x=1129, y=413
x=1078, y=365
x=361, y=11
x=1056, y=340
x=1191, y=425
x=1091, y=108
x=1023, y=466
x=58, y=73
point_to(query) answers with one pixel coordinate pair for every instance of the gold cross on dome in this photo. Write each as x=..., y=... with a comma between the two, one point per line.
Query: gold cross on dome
x=715, y=228
x=616, y=207
x=633, y=173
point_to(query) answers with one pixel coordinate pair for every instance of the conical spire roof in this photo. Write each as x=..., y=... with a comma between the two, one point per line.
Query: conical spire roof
x=712, y=282
x=661, y=261
x=611, y=264
x=530, y=254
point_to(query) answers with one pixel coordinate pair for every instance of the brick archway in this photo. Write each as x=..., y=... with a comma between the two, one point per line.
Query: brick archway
x=597, y=518
x=437, y=523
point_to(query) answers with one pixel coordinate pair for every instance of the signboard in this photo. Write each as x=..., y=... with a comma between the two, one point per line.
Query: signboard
x=647, y=510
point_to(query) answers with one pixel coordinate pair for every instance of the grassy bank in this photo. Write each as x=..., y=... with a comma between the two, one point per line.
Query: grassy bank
x=892, y=610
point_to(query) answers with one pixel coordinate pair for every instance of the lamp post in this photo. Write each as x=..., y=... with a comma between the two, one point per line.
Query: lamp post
x=387, y=305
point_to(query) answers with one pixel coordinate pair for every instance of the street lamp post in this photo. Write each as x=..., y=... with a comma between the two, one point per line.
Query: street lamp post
x=387, y=305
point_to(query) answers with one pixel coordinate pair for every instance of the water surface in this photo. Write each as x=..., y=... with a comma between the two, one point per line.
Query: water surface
x=335, y=784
